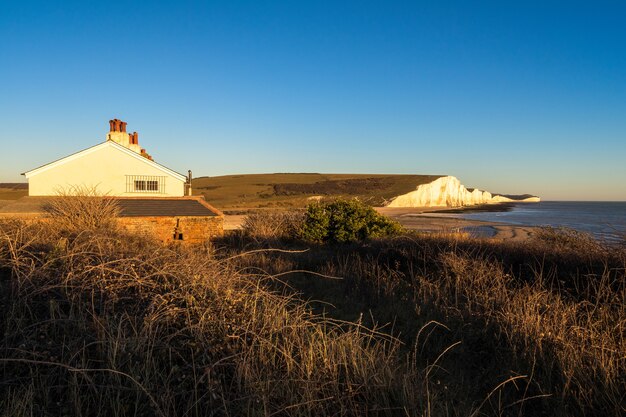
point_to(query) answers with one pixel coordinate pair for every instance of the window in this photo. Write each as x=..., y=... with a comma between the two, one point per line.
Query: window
x=140, y=185
x=152, y=185
x=145, y=184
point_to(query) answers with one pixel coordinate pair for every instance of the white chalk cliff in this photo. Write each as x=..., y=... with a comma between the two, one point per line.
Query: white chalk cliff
x=503, y=199
x=449, y=192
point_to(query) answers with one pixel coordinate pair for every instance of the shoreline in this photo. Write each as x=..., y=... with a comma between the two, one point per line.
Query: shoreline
x=440, y=220
x=433, y=220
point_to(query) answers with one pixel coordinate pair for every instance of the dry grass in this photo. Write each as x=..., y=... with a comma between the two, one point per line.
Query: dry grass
x=547, y=315
x=273, y=225
x=96, y=322
x=99, y=323
x=578, y=346
x=80, y=209
x=564, y=239
x=13, y=191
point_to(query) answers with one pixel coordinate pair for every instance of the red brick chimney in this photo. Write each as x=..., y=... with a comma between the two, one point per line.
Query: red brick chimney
x=119, y=135
x=116, y=125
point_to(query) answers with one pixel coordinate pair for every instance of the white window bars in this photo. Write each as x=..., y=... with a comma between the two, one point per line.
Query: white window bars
x=145, y=184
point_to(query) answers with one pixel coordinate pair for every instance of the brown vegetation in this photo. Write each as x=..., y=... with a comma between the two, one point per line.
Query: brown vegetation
x=95, y=322
x=264, y=227
x=353, y=186
x=13, y=190
x=549, y=313
x=98, y=323
x=14, y=185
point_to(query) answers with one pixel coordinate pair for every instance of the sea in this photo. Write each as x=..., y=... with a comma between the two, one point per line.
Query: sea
x=604, y=220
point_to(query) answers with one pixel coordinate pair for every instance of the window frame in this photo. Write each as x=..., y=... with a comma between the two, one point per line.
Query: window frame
x=145, y=184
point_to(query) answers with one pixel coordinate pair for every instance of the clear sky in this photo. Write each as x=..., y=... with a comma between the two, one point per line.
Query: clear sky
x=512, y=97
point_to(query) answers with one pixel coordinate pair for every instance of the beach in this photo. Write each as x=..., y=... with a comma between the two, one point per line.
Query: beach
x=432, y=220
x=436, y=220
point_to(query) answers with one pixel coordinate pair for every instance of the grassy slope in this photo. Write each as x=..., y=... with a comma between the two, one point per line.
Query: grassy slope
x=13, y=191
x=97, y=322
x=293, y=190
x=548, y=312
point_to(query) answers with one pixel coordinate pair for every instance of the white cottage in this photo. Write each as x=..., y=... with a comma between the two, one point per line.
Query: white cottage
x=117, y=167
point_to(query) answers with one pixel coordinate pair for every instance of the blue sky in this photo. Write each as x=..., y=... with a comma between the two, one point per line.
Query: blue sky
x=525, y=97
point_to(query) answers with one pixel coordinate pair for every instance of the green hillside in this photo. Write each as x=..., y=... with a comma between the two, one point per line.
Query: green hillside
x=295, y=190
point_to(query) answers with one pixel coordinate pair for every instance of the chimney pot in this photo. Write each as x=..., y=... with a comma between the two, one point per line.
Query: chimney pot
x=123, y=125
x=111, y=125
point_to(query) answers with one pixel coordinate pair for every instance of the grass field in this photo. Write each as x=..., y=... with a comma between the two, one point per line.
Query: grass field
x=13, y=191
x=98, y=322
x=295, y=190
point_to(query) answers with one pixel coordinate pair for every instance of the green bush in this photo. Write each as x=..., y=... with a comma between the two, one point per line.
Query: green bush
x=344, y=221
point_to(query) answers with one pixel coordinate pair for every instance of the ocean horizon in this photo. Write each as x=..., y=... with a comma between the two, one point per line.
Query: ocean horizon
x=605, y=220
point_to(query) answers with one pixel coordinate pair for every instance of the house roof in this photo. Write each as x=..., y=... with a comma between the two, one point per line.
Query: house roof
x=98, y=147
x=129, y=206
x=165, y=207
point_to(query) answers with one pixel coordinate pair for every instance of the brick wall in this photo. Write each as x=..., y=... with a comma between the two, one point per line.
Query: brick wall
x=189, y=229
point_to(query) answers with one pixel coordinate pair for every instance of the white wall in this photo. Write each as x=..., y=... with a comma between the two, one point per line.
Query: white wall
x=104, y=169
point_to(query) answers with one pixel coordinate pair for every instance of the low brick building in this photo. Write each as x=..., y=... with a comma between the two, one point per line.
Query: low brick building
x=182, y=219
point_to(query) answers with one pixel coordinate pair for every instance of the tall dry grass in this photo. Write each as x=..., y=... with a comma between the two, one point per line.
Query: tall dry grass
x=268, y=226
x=547, y=315
x=102, y=323
x=78, y=209
x=96, y=322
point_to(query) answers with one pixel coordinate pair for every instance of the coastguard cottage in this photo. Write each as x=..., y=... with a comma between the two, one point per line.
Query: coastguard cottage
x=152, y=198
x=116, y=167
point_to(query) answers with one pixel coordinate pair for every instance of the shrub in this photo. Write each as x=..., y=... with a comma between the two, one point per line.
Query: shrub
x=344, y=221
x=81, y=209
